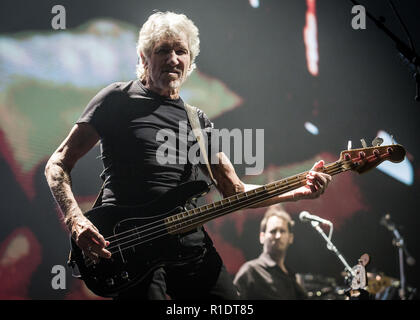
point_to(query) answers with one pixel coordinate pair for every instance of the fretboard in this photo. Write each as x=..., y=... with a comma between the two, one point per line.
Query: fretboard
x=190, y=219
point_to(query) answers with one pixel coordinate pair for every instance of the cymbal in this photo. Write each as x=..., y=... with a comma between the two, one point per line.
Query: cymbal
x=378, y=282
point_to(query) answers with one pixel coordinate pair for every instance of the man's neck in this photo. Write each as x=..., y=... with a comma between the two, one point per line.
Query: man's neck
x=171, y=93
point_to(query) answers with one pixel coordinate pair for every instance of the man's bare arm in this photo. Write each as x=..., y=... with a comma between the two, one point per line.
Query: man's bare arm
x=228, y=183
x=80, y=140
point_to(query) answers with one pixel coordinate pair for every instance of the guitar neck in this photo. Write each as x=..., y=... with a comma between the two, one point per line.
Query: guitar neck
x=194, y=218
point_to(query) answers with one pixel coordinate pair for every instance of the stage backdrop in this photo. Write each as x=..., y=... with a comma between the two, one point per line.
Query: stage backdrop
x=299, y=70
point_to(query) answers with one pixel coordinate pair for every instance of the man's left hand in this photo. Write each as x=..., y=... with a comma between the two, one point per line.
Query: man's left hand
x=316, y=183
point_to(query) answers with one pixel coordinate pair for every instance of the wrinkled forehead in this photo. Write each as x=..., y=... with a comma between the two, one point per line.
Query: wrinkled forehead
x=172, y=40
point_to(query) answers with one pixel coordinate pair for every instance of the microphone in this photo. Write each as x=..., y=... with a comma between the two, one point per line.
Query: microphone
x=305, y=216
x=387, y=223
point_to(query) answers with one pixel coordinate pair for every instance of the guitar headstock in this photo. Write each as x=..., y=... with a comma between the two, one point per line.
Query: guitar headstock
x=364, y=260
x=359, y=280
x=364, y=159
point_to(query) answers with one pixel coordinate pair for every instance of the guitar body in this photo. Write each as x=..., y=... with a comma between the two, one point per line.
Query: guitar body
x=140, y=243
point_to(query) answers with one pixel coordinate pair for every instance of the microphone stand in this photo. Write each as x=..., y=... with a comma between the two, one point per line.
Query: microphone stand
x=398, y=242
x=330, y=246
x=408, y=54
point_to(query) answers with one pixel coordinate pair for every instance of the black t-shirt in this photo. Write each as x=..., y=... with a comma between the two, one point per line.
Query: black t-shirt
x=128, y=117
x=263, y=279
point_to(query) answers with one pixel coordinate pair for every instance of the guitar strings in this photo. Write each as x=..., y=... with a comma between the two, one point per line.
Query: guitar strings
x=163, y=220
x=192, y=218
x=142, y=235
x=259, y=199
x=271, y=185
x=202, y=219
x=179, y=229
x=158, y=222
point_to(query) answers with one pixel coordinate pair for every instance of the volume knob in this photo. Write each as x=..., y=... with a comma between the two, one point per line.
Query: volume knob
x=110, y=282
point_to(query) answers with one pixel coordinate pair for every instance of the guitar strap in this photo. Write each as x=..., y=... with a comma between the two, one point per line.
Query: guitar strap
x=196, y=128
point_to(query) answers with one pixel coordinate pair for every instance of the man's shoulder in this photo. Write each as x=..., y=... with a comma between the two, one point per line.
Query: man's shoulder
x=117, y=91
x=257, y=265
x=120, y=86
x=110, y=90
x=247, y=271
x=250, y=265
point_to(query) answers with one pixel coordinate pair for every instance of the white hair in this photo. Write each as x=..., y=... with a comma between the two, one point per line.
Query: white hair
x=166, y=24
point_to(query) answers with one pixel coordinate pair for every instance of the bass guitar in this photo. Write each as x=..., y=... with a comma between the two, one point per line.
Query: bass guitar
x=141, y=237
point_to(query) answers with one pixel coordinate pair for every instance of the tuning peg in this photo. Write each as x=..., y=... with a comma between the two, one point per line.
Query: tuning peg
x=363, y=143
x=377, y=142
x=349, y=145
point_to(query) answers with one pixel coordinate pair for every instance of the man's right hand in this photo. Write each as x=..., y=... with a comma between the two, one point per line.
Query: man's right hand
x=82, y=138
x=88, y=238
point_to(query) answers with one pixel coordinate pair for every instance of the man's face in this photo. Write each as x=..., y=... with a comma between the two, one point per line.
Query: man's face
x=276, y=238
x=169, y=62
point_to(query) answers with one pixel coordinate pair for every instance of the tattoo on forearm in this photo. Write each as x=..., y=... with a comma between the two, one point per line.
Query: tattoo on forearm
x=59, y=180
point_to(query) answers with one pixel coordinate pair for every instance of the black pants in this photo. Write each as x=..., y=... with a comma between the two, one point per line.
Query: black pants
x=205, y=279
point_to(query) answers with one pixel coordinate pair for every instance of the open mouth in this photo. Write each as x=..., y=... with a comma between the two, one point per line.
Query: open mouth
x=172, y=72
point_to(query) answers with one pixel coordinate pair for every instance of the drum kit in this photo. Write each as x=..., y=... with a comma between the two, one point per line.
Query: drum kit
x=379, y=287
x=319, y=287
x=382, y=286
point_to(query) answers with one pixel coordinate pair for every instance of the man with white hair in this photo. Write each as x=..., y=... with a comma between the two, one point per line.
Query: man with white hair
x=126, y=117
